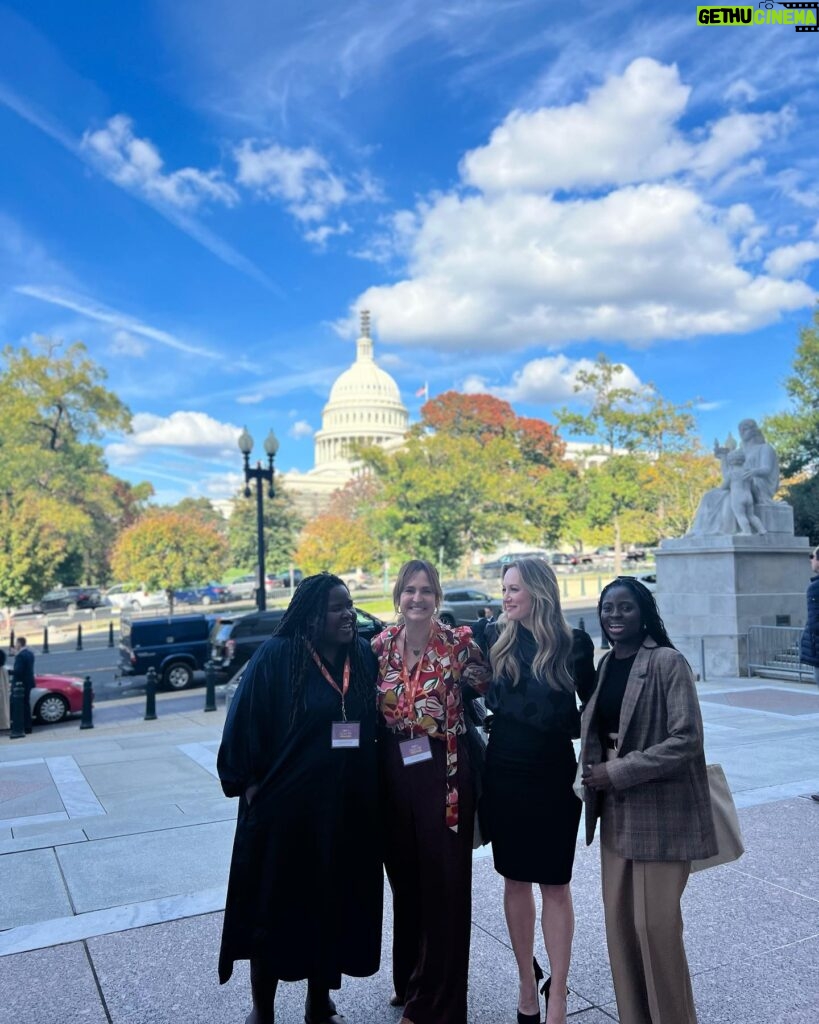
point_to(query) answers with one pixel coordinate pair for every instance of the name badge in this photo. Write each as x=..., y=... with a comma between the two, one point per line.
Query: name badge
x=415, y=750
x=345, y=735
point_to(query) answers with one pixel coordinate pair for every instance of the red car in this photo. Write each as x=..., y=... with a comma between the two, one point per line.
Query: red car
x=55, y=697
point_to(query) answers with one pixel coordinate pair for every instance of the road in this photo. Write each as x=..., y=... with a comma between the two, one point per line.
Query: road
x=100, y=662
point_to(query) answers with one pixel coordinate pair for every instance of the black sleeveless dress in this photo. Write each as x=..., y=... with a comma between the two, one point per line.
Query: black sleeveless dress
x=528, y=805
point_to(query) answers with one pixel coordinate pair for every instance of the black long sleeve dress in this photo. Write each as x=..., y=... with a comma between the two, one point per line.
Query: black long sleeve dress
x=528, y=804
x=306, y=882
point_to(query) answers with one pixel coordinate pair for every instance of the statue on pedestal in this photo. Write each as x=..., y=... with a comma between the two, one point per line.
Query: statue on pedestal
x=750, y=477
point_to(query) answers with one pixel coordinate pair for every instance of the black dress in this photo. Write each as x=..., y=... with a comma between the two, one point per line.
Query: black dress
x=306, y=882
x=528, y=805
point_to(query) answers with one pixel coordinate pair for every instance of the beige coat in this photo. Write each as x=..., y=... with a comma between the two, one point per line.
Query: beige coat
x=661, y=804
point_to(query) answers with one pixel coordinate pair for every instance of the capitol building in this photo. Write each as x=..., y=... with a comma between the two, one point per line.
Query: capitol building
x=364, y=407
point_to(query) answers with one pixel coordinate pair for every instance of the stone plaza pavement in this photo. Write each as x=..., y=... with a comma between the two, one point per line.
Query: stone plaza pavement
x=115, y=843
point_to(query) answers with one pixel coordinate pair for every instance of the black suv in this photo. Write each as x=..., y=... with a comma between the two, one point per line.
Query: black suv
x=233, y=640
x=176, y=647
x=69, y=599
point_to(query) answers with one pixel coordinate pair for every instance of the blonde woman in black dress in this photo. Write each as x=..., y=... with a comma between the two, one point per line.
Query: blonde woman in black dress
x=529, y=806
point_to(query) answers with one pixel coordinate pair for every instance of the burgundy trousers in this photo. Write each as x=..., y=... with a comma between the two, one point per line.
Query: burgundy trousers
x=429, y=868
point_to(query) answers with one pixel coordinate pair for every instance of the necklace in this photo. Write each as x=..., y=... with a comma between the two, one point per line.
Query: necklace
x=416, y=651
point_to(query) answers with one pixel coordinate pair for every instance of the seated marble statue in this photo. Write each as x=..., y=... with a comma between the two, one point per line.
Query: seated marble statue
x=757, y=478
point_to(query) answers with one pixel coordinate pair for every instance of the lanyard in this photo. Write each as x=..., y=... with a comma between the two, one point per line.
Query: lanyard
x=345, y=680
x=412, y=681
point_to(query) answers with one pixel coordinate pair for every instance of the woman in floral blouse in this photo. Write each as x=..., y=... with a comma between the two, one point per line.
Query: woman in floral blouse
x=428, y=803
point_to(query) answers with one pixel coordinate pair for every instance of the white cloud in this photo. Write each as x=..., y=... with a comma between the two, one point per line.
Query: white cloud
x=301, y=178
x=123, y=343
x=742, y=90
x=550, y=379
x=790, y=259
x=135, y=163
x=623, y=132
x=319, y=236
x=196, y=434
x=646, y=258
x=300, y=430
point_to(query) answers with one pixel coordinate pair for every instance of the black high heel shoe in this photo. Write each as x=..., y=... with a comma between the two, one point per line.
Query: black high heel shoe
x=547, y=984
x=532, y=1018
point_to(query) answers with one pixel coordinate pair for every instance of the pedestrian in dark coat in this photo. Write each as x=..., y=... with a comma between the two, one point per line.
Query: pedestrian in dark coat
x=24, y=672
x=306, y=884
x=809, y=646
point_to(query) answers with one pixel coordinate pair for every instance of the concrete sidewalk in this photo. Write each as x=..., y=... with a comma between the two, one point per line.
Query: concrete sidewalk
x=115, y=844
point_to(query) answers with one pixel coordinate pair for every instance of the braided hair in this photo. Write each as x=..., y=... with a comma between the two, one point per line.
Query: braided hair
x=650, y=619
x=303, y=623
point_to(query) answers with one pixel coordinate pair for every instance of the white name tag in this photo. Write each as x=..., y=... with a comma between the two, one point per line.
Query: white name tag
x=345, y=735
x=415, y=750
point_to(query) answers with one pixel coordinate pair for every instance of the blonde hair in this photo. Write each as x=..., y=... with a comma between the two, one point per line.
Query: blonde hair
x=408, y=570
x=552, y=635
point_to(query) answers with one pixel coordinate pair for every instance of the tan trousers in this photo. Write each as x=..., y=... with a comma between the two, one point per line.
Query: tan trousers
x=644, y=933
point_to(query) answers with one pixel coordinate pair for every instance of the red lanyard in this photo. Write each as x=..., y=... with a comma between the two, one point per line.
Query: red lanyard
x=411, y=681
x=345, y=679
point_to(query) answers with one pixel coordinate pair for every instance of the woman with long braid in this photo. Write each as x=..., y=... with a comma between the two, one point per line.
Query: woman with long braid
x=305, y=891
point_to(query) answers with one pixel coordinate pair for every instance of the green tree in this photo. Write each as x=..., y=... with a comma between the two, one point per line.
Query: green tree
x=335, y=543
x=281, y=524
x=166, y=551
x=631, y=427
x=53, y=408
x=203, y=510
x=795, y=433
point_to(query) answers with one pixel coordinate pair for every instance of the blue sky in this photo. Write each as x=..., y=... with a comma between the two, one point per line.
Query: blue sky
x=205, y=194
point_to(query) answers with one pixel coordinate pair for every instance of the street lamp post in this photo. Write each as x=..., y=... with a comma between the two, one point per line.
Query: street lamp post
x=271, y=446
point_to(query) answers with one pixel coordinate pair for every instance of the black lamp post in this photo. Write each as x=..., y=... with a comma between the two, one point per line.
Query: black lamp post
x=271, y=446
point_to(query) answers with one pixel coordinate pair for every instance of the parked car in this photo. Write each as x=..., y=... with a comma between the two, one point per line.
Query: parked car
x=354, y=579
x=176, y=647
x=69, y=599
x=564, y=559
x=55, y=697
x=208, y=593
x=125, y=598
x=648, y=579
x=283, y=578
x=461, y=606
x=234, y=639
x=244, y=587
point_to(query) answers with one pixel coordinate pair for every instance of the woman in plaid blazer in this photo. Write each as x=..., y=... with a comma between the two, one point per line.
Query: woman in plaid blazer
x=645, y=779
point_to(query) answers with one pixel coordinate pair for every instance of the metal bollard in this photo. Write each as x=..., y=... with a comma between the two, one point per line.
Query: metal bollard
x=11, y=641
x=110, y=634
x=210, y=686
x=45, y=640
x=18, y=699
x=582, y=586
x=581, y=624
x=150, y=695
x=79, y=636
x=87, y=720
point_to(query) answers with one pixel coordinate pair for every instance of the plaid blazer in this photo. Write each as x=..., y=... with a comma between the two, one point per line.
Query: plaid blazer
x=661, y=807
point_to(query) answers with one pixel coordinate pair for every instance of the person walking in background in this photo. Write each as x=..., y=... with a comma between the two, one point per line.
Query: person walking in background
x=644, y=768
x=5, y=695
x=528, y=805
x=809, y=645
x=428, y=804
x=23, y=670
x=305, y=893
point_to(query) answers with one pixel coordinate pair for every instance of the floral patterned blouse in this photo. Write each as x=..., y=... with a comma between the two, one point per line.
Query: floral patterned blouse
x=451, y=658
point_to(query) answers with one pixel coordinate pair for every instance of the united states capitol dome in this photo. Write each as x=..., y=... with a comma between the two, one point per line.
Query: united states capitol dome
x=364, y=407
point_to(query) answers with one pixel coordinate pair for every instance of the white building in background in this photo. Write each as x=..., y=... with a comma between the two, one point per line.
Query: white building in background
x=364, y=407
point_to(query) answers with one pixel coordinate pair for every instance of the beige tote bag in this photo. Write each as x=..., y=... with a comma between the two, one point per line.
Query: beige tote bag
x=726, y=823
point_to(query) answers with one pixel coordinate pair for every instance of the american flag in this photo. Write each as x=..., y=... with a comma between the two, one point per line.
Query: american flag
x=423, y=390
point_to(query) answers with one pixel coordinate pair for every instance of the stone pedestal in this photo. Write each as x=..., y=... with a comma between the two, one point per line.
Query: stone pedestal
x=710, y=589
